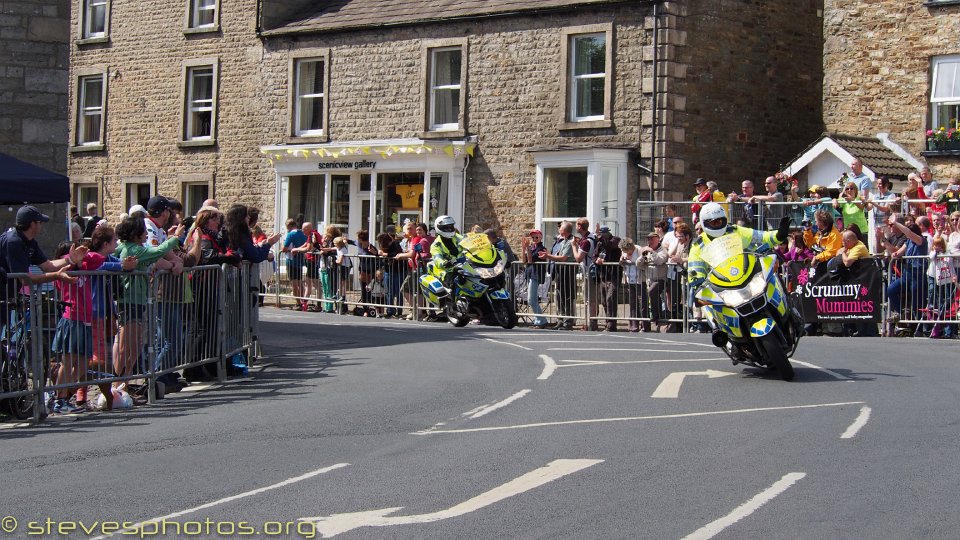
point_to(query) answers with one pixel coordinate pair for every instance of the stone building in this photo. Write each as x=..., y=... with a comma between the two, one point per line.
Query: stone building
x=34, y=56
x=894, y=67
x=363, y=113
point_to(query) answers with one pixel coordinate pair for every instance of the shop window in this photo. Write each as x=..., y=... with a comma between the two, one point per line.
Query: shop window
x=588, y=183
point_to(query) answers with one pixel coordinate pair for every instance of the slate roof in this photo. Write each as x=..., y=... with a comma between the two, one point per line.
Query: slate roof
x=875, y=156
x=338, y=15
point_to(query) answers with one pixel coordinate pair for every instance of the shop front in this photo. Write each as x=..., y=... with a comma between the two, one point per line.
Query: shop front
x=369, y=185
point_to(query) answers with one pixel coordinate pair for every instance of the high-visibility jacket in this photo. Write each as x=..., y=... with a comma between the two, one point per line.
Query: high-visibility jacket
x=752, y=241
x=441, y=253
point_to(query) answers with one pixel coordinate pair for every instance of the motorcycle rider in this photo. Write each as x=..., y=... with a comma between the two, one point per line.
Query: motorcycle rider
x=445, y=250
x=714, y=222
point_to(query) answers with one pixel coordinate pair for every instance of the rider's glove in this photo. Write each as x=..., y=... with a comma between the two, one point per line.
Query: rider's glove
x=784, y=229
x=697, y=282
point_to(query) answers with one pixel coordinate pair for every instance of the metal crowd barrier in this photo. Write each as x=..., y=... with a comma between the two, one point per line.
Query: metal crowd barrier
x=142, y=325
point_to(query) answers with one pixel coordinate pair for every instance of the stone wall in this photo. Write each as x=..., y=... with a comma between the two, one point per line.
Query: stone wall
x=144, y=56
x=877, y=69
x=33, y=81
x=743, y=88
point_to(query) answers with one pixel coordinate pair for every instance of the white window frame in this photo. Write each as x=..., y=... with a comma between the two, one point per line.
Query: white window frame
x=319, y=98
x=597, y=161
x=568, y=46
x=435, y=88
x=128, y=181
x=576, y=78
x=192, y=107
x=84, y=111
x=79, y=184
x=940, y=70
x=87, y=19
x=188, y=180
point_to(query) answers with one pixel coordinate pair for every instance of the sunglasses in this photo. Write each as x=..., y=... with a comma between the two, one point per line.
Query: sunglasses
x=849, y=189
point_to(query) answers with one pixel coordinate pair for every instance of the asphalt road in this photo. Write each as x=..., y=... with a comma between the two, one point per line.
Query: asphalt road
x=362, y=428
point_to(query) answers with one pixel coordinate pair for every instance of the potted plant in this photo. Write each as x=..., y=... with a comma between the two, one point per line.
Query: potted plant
x=943, y=139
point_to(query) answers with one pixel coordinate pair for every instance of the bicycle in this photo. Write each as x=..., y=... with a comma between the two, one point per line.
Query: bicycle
x=16, y=373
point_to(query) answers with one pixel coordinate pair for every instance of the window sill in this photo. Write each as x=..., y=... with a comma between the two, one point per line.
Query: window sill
x=940, y=3
x=203, y=30
x=592, y=124
x=197, y=144
x=92, y=41
x=448, y=134
x=941, y=153
x=87, y=148
x=307, y=139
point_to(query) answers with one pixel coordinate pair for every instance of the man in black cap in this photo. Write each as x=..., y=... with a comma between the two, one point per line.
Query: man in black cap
x=609, y=275
x=19, y=250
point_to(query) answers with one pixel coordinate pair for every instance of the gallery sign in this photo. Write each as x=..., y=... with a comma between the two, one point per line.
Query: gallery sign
x=353, y=165
x=849, y=295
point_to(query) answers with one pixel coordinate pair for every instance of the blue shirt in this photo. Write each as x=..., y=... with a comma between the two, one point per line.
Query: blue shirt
x=863, y=182
x=294, y=239
x=17, y=253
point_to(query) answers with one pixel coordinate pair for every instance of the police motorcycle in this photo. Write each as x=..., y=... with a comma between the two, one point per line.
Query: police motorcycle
x=746, y=305
x=478, y=288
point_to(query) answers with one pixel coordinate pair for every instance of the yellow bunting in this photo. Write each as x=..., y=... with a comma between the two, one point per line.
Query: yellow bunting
x=448, y=150
x=470, y=148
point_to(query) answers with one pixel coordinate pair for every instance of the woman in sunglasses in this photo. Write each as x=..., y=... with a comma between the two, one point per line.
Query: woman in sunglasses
x=852, y=209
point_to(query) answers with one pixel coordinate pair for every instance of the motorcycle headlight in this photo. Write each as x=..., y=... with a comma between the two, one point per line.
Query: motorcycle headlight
x=754, y=288
x=492, y=272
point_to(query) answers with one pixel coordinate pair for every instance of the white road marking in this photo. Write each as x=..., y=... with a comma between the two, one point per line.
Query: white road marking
x=861, y=421
x=712, y=529
x=195, y=388
x=257, y=491
x=577, y=363
x=635, y=418
x=549, y=366
x=508, y=343
x=14, y=425
x=670, y=387
x=625, y=350
x=339, y=523
x=674, y=342
x=833, y=374
x=500, y=404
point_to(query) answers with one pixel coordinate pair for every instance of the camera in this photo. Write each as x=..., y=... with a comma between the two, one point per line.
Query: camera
x=805, y=223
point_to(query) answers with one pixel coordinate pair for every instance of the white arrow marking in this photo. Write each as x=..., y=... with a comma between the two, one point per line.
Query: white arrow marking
x=549, y=366
x=670, y=387
x=339, y=523
x=833, y=374
x=508, y=343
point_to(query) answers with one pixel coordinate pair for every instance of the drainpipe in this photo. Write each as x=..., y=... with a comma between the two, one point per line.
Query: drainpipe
x=656, y=95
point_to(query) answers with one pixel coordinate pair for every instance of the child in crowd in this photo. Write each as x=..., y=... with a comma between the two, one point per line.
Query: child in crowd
x=378, y=290
x=343, y=266
x=941, y=285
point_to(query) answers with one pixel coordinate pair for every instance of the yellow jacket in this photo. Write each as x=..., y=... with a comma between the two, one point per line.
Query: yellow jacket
x=829, y=243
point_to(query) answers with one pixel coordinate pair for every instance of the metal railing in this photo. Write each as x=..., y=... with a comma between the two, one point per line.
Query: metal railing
x=113, y=327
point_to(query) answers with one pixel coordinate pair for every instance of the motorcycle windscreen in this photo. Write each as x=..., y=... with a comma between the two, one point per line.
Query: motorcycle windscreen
x=725, y=257
x=477, y=246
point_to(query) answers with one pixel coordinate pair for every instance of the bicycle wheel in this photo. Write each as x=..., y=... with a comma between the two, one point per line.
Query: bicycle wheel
x=17, y=375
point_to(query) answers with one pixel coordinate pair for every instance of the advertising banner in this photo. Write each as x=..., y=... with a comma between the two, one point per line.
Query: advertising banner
x=846, y=295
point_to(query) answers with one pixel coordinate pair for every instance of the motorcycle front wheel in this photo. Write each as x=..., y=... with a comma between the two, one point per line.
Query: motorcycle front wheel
x=505, y=313
x=775, y=355
x=455, y=317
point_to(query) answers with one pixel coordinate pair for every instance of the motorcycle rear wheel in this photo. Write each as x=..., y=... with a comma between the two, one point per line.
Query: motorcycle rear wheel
x=775, y=356
x=16, y=377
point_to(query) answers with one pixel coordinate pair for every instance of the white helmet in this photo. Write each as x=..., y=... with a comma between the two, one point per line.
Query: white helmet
x=713, y=220
x=445, y=226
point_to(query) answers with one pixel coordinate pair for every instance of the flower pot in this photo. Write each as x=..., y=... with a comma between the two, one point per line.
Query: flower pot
x=942, y=145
